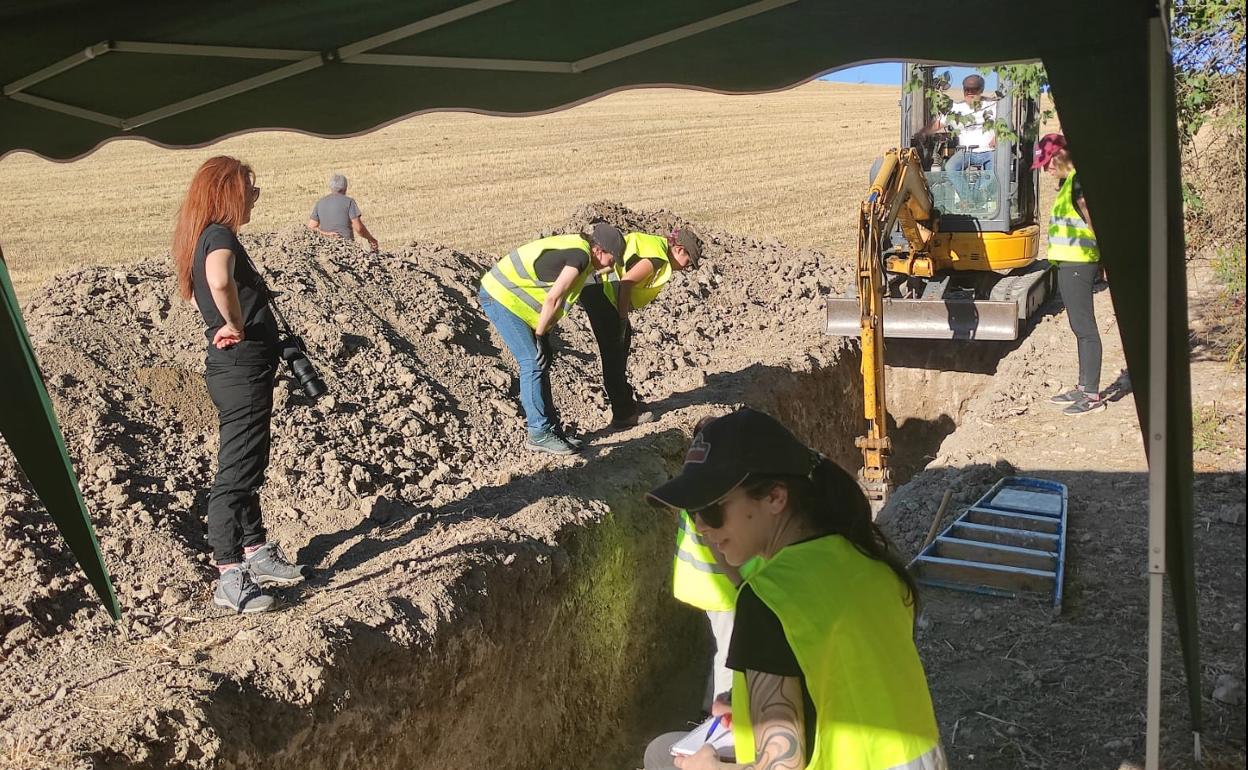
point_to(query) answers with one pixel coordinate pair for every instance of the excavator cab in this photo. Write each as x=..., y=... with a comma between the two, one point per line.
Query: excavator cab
x=974, y=275
x=1003, y=196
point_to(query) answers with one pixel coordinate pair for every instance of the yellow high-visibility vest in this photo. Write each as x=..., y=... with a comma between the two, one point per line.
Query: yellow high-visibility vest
x=697, y=579
x=844, y=615
x=514, y=284
x=647, y=247
x=1070, y=238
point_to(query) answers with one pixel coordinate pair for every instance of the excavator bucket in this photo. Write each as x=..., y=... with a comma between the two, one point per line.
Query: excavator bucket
x=949, y=319
x=1014, y=299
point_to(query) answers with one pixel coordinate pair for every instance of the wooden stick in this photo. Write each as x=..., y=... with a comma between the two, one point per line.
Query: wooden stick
x=940, y=514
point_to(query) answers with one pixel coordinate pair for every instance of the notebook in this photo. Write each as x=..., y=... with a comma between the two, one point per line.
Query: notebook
x=713, y=731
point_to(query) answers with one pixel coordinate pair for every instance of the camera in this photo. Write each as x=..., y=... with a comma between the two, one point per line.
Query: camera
x=292, y=352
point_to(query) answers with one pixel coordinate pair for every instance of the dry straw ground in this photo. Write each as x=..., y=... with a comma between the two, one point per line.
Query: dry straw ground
x=789, y=164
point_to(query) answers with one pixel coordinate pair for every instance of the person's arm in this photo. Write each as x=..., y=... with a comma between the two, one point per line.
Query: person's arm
x=777, y=715
x=357, y=224
x=554, y=298
x=219, y=272
x=314, y=225
x=635, y=275
x=1082, y=204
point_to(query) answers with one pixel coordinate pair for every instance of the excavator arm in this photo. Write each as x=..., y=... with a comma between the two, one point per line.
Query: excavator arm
x=898, y=194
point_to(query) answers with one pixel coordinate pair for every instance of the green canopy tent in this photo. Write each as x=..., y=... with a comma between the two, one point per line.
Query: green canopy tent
x=79, y=72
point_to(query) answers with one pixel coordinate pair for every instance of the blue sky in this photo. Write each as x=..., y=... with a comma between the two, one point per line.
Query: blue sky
x=889, y=73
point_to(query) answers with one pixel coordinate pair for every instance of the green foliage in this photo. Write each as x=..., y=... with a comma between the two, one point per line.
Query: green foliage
x=1208, y=49
x=1208, y=42
x=1018, y=80
x=1207, y=430
x=1228, y=269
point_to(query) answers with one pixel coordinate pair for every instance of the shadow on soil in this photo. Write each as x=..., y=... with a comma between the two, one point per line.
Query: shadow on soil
x=1017, y=686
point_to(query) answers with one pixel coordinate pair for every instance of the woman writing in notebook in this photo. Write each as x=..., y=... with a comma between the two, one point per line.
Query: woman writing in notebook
x=826, y=674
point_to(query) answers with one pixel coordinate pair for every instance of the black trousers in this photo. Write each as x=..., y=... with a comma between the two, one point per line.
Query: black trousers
x=242, y=389
x=614, y=344
x=1074, y=281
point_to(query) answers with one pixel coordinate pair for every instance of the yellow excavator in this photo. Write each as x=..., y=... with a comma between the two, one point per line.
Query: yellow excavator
x=941, y=254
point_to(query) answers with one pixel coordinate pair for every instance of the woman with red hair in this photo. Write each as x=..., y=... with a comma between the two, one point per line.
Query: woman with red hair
x=215, y=272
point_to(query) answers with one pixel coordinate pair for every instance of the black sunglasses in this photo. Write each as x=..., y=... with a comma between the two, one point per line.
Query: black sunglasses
x=712, y=515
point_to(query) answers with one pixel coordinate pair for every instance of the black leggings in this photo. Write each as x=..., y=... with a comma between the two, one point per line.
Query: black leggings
x=243, y=393
x=1074, y=281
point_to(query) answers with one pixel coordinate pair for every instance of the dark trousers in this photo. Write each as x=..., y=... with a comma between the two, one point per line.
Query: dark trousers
x=615, y=340
x=1074, y=281
x=243, y=393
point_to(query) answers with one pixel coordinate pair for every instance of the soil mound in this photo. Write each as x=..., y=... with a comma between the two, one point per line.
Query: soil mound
x=403, y=482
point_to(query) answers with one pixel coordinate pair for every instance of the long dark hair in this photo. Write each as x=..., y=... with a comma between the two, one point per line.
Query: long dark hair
x=832, y=501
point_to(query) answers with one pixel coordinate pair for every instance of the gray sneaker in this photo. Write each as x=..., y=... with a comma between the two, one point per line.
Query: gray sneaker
x=1068, y=398
x=237, y=590
x=550, y=443
x=1085, y=405
x=270, y=567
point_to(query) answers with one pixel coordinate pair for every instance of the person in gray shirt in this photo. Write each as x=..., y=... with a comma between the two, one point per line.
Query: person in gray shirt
x=337, y=215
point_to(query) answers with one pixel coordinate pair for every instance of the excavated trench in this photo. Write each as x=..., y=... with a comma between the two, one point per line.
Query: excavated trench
x=571, y=656
x=473, y=608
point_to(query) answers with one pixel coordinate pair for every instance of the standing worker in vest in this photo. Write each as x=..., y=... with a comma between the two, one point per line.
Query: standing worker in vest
x=646, y=267
x=524, y=296
x=826, y=674
x=1072, y=248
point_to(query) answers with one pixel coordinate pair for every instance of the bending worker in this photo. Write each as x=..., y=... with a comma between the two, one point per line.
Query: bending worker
x=524, y=296
x=826, y=674
x=645, y=268
x=1072, y=248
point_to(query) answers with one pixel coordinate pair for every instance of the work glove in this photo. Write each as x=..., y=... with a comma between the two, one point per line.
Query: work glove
x=545, y=352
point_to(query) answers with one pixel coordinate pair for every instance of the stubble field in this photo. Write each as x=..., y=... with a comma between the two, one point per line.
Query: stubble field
x=790, y=164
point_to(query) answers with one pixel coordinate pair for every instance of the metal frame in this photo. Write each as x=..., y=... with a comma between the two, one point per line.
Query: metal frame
x=1006, y=550
x=356, y=53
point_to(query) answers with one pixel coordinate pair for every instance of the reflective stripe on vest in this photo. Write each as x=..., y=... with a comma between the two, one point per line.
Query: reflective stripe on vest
x=856, y=651
x=1070, y=238
x=697, y=579
x=514, y=284
x=644, y=246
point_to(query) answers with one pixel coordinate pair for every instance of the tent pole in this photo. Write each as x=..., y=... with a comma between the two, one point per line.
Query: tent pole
x=1157, y=50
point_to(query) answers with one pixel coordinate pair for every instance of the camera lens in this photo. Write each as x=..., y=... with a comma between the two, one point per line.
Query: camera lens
x=307, y=377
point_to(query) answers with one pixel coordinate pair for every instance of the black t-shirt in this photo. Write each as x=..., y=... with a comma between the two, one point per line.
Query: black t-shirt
x=759, y=644
x=551, y=263
x=259, y=327
x=655, y=262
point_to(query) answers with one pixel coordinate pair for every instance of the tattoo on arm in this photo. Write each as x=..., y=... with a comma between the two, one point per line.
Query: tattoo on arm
x=778, y=717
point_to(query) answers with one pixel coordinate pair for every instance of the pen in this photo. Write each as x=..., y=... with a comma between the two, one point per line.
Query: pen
x=714, y=724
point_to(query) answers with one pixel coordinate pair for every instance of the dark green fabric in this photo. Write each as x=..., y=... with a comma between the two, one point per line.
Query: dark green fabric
x=29, y=426
x=1095, y=52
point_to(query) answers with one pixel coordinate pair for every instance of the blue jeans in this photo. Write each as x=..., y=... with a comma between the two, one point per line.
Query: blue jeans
x=539, y=407
x=960, y=162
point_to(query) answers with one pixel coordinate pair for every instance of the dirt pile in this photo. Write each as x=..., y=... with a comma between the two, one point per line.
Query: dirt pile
x=406, y=488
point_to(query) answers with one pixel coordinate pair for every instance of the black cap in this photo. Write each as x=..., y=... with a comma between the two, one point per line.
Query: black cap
x=726, y=451
x=690, y=241
x=608, y=238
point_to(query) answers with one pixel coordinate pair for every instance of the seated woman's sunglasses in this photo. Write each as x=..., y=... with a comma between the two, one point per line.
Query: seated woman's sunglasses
x=712, y=515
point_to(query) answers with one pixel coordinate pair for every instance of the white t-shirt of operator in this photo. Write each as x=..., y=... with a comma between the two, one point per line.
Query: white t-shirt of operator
x=971, y=135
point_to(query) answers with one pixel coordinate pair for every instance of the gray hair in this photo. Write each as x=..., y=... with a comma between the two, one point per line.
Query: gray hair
x=338, y=183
